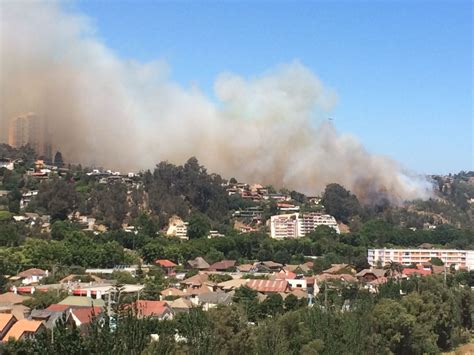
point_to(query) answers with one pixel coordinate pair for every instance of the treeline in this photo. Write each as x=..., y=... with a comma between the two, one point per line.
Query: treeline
x=67, y=245
x=432, y=318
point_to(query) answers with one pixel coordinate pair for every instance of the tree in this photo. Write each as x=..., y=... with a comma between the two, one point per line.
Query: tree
x=340, y=203
x=199, y=226
x=58, y=159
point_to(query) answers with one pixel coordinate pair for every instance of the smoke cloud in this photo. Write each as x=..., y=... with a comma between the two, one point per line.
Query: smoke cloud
x=106, y=111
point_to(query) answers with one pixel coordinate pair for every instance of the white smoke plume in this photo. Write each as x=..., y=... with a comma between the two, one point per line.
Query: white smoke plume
x=106, y=111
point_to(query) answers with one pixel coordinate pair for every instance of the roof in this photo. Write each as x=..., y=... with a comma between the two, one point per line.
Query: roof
x=342, y=277
x=5, y=319
x=222, y=265
x=196, y=291
x=197, y=280
x=271, y=264
x=58, y=307
x=268, y=285
x=299, y=293
x=165, y=263
x=376, y=272
x=85, y=314
x=181, y=303
x=32, y=272
x=246, y=267
x=48, y=318
x=18, y=310
x=421, y=272
x=231, y=284
x=282, y=275
x=21, y=327
x=198, y=263
x=172, y=291
x=216, y=298
x=335, y=268
x=294, y=268
x=82, y=301
x=151, y=308
x=13, y=298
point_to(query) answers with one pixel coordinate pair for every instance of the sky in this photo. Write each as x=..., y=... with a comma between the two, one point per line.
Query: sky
x=402, y=70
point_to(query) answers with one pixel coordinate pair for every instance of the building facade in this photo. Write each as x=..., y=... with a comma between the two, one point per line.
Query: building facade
x=296, y=225
x=30, y=129
x=463, y=259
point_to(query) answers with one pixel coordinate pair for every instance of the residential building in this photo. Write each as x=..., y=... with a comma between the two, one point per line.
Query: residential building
x=296, y=225
x=32, y=276
x=268, y=286
x=156, y=309
x=223, y=265
x=24, y=329
x=6, y=322
x=30, y=129
x=177, y=228
x=168, y=266
x=6, y=163
x=463, y=259
x=198, y=263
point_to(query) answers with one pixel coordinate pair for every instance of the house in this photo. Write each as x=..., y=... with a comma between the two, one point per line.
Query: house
x=337, y=277
x=11, y=303
x=32, y=276
x=224, y=265
x=12, y=298
x=415, y=272
x=81, y=301
x=247, y=268
x=210, y=300
x=156, y=309
x=269, y=266
x=6, y=163
x=369, y=275
x=268, y=286
x=82, y=316
x=231, y=284
x=198, y=263
x=340, y=269
x=181, y=305
x=172, y=292
x=196, y=281
x=6, y=322
x=48, y=317
x=298, y=269
x=24, y=329
x=168, y=266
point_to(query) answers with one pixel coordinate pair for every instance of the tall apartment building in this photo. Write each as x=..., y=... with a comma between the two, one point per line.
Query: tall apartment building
x=296, y=225
x=459, y=258
x=30, y=129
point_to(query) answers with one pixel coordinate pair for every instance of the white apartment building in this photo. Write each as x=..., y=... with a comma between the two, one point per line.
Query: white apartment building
x=177, y=228
x=296, y=225
x=459, y=258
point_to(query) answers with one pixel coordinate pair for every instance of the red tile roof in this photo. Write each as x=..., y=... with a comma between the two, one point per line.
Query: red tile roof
x=58, y=307
x=165, y=263
x=151, y=308
x=85, y=314
x=268, y=285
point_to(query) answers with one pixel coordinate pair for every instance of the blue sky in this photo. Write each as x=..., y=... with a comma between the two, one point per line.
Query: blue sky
x=402, y=69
